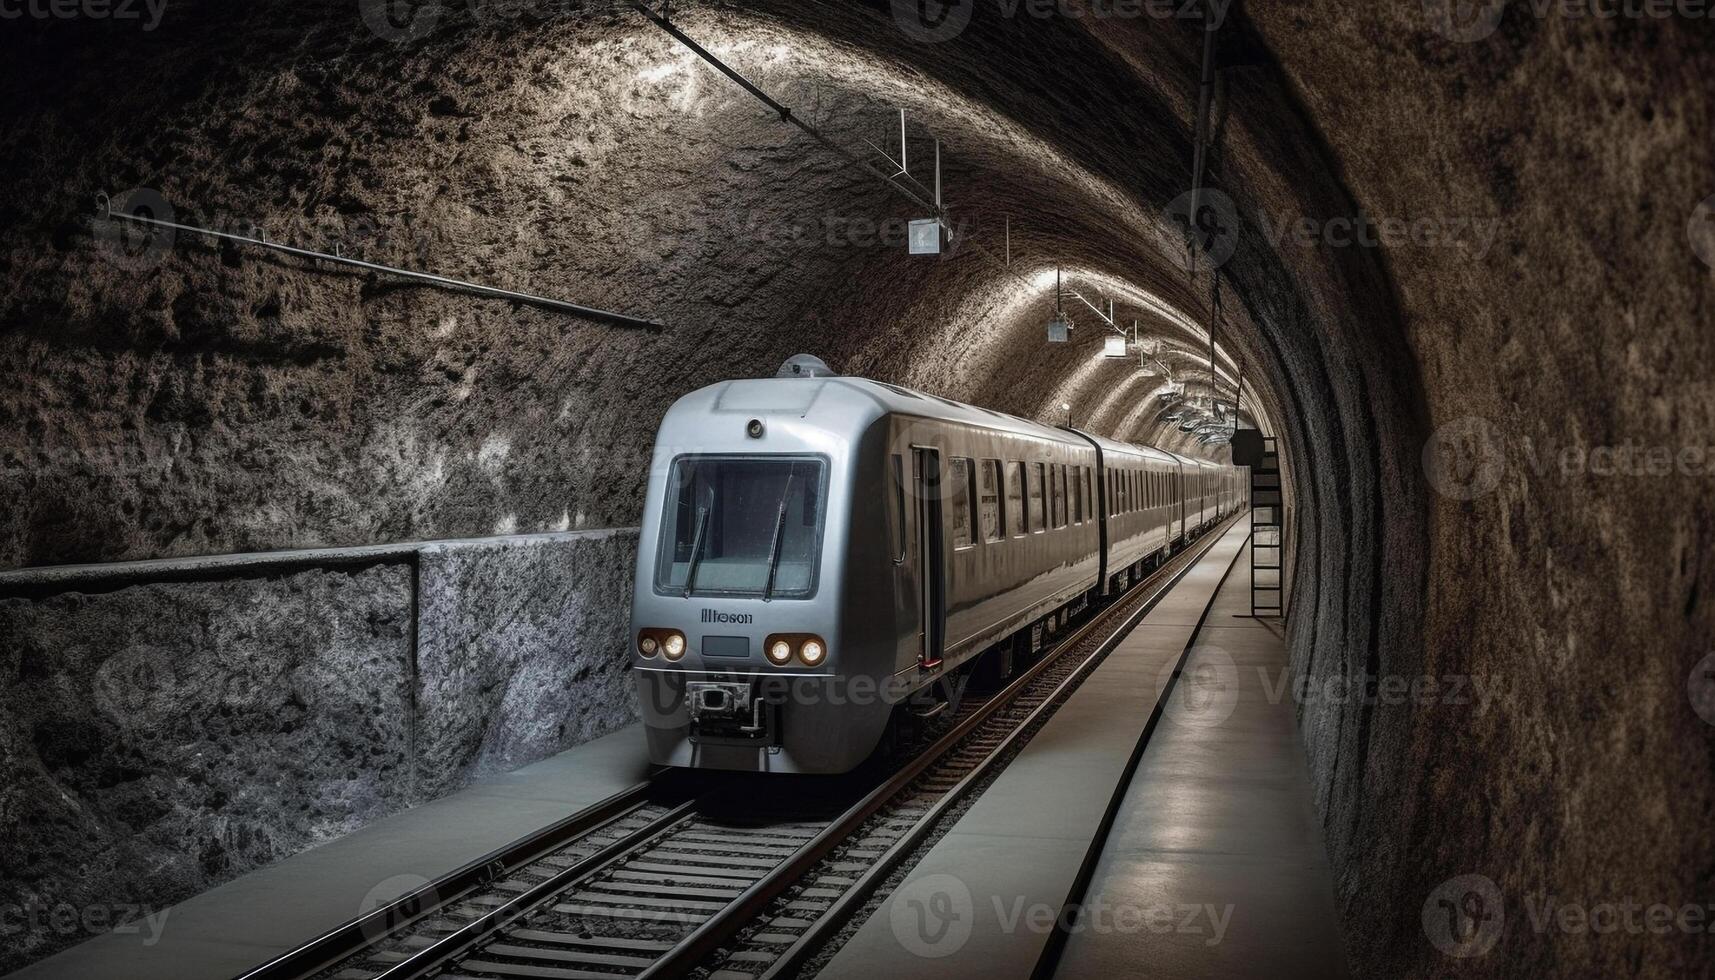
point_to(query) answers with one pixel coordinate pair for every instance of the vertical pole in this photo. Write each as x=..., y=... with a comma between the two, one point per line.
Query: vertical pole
x=937, y=178
x=903, y=167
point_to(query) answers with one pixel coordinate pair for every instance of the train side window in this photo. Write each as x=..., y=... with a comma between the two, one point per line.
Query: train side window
x=1050, y=495
x=1077, y=495
x=988, y=499
x=1056, y=497
x=958, y=487
x=1053, y=496
x=1038, y=486
x=1015, y=499
x=898, y=515
x=1089, y=493
x=1065, y=498
x=1057, y=487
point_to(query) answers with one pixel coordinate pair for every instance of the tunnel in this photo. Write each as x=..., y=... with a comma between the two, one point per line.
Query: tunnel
x=337, y=336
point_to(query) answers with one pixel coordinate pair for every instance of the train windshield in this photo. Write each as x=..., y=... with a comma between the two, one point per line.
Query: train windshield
x=742, y=526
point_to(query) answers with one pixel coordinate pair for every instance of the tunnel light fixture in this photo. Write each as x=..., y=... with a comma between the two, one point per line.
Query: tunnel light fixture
x=925, y=236
x=1113, y=345
x=1059, y=329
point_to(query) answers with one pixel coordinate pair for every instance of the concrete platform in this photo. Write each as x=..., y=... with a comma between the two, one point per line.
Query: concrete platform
x=1218, y=827
x=244, y=923
x=984, y=900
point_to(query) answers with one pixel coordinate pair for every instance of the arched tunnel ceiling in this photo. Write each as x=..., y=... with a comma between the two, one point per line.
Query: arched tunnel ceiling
x=595, y=158
x=197, y=402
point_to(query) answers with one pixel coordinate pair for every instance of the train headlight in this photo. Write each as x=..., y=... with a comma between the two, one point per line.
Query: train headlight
x=674, y=646
x=779, y=653
x=812, y=652
x=647, y=646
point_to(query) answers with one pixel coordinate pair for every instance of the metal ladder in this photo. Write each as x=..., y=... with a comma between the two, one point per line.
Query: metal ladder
x=1267, y=533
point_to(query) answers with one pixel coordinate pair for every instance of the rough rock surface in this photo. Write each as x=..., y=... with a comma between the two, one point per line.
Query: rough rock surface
x=196, y=402
x=161, y=739
x=521, y=653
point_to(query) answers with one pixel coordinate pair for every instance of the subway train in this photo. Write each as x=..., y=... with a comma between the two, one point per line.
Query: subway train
x=824, y=560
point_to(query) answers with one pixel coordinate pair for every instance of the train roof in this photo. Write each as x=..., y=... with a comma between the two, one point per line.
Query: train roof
x=1114, y=448
x=851, y=403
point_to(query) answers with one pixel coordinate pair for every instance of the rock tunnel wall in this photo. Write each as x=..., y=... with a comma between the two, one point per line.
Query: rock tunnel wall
x=192, y=401
x=168, y=728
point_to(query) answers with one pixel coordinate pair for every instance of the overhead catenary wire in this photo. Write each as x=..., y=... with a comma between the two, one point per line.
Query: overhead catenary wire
x=939, y=211
x=936, y=207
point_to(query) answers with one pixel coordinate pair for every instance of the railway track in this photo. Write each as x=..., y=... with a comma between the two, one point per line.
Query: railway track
x=672, y=877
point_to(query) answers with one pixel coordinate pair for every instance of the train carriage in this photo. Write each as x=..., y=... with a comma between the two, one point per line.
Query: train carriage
x=819, y=553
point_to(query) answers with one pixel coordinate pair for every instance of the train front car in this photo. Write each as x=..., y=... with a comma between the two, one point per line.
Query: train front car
x=819, y=554
x=738, y=625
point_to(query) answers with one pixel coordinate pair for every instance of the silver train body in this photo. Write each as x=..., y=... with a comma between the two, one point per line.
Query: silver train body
x=818, y=553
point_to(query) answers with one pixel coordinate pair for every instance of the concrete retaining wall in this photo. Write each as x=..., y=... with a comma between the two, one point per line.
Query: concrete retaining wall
x=168, y=726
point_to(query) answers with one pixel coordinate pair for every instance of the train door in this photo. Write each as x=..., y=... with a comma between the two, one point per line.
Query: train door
x=1179, y=527
x=927, y=556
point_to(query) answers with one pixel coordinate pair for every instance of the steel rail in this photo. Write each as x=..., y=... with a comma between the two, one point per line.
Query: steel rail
x=889, y=860
x=362, y=932
x=458, y=285
x=709, y=936
x=436, y=955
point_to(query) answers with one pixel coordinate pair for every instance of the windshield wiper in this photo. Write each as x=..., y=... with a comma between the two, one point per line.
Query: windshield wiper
x=696, y=550
x=779, y=533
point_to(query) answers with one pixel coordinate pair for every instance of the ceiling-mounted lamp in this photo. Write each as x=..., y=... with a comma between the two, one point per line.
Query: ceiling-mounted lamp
x=1113, y=345
x=1059, y=328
